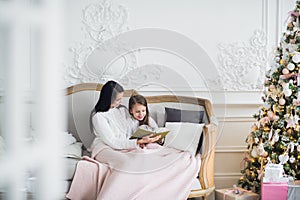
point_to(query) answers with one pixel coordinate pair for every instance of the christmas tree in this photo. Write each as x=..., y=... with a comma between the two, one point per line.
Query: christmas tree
x=275, y=136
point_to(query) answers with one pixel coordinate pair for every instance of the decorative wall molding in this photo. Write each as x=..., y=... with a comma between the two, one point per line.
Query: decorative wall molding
x=242, y=65
x=143, y=74
x=236, y=119
x=102, y=21
x=232, y=175
x=231, y=149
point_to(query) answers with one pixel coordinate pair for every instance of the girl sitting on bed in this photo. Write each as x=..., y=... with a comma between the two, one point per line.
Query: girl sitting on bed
x=138, y=109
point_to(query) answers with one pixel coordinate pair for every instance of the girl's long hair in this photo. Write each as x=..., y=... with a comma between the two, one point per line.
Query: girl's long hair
x=134, y=99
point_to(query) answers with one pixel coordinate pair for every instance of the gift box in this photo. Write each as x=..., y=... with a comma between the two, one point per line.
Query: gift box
x=235, y=194
x=274, y=190
x=294, y=191
x=274, y=173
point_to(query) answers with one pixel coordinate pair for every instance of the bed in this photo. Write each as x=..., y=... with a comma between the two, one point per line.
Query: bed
x=81, y=99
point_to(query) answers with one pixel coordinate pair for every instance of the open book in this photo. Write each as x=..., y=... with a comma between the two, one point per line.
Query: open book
x=143, y=131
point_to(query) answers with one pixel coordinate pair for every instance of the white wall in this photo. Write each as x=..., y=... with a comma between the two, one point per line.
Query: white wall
x=233, y=43
x=205, y=47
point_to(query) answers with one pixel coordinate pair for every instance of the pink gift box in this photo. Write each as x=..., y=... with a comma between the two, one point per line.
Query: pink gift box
x=274, y=190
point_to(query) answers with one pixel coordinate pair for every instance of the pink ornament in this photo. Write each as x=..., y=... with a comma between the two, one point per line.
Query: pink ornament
x=272, y=87
x=270, y=114
x=275, y=117
x=282, y=101
x=296, y=102
x=285, y=71
x=290, y=122
x=264, y=120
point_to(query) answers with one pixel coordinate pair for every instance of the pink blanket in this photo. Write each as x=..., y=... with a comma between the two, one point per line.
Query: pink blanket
x=162, y=173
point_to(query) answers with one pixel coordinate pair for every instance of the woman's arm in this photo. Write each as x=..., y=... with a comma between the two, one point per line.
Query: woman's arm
x=103, y=130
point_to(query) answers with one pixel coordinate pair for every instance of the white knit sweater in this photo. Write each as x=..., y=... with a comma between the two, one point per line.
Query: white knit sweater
x=114, y=128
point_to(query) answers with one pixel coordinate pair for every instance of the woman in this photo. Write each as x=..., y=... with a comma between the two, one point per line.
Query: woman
x=111, y=123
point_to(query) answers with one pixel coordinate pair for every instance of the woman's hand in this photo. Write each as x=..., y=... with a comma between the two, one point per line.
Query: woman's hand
x=147, y=139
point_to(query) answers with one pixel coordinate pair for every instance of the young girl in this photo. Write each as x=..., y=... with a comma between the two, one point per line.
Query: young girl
x=138, y=109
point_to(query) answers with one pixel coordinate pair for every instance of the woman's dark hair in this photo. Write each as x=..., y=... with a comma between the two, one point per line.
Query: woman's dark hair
x=108, y=95
x=134, y=99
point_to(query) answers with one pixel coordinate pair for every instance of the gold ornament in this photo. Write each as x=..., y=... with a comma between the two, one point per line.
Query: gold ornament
x=265, y=112
x=275, y=108
x=254, y=128
x=247, y=171
x=297, y=127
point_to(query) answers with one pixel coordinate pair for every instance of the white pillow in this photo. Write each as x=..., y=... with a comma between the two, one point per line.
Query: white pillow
x=184, y=136
x=68, y=138
x=196, y=184
x=73, y=150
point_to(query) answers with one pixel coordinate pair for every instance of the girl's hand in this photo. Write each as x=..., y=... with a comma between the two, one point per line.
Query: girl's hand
x=148, y=139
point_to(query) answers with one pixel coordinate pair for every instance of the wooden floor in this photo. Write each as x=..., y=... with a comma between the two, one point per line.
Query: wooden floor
x=32, y=197
x=210, y=197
